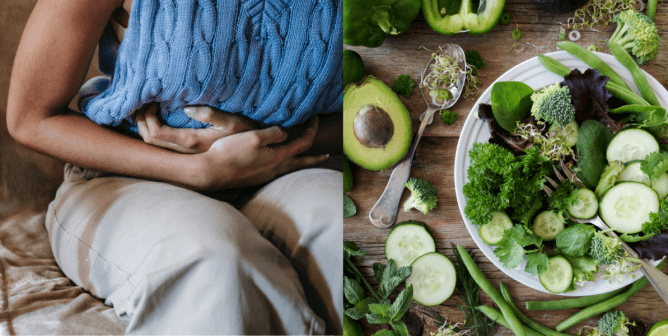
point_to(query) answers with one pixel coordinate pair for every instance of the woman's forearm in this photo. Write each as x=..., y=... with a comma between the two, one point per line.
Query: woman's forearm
x=73, y=138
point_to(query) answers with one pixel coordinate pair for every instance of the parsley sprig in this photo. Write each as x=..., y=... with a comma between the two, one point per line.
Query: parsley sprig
x=377, y=309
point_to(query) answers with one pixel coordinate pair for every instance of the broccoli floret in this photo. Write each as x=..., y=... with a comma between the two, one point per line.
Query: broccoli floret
x=615, y=323
x=606, y=250
x=423, y=195
x=403, y=85
x=448, y=116
x=553, y=104
x=637, y=34
x=349, y=208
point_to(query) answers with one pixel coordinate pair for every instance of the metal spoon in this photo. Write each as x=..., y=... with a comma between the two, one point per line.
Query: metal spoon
x=384, y=212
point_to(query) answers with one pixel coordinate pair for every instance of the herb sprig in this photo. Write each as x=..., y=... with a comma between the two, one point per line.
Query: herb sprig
x=377, y=309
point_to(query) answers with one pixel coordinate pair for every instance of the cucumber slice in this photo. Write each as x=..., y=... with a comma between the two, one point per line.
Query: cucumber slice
x=661, y=186
x=433, y=279
x=633, y=173
x=586, y=206
x=492, y=231
x=627, y=206
x=558, y=276
x=548, y=224
x=407, y=241
x=568, y=135
x=631, y=144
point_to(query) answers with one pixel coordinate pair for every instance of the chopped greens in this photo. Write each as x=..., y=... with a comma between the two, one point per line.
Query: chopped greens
x=448, y=117
x=403, y=85
x=564, y=196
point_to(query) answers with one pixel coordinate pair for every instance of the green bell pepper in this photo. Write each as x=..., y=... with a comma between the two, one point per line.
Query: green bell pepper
x=353, y=67
x=369, y=22
x=449, y=17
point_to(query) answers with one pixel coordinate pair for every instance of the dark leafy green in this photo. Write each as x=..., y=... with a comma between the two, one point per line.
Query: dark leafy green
x=593, y=139
x=590, y=97
x=563, y=196
x=575, y=240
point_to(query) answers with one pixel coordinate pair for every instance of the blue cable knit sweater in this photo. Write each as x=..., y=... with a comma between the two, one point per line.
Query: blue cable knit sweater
x=278, y=62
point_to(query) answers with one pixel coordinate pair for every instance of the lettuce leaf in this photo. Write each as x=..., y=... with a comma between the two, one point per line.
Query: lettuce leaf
x=590, y=97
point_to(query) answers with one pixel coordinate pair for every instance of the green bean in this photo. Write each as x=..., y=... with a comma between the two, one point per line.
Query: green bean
x=570, y=303
x=514, y=324
x=616, y=90
x=638, y=77
x=593, y=61
x=525, y=319
x=651, y=8
x=638, y=109
x=553, y=65
x=606, y=305
x=625, y=95
x=497, y=317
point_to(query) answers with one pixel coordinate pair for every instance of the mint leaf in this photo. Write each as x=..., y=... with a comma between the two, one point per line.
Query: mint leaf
x=386, y=332
x=400, y=327
x=392, y=277
x=352, y=290
x=536, y=263
x=351, y=249
x=379, y=309
x=401, y=304
x=378, y=270
x=377, y=319
x=360, y=309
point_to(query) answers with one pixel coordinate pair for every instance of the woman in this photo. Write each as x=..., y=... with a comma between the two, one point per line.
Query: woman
x=130, y=223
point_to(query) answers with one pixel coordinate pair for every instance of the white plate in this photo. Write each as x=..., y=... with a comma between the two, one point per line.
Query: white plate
x=475, y=130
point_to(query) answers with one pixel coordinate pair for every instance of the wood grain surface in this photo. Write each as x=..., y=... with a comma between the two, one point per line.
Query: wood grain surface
x=404, y=54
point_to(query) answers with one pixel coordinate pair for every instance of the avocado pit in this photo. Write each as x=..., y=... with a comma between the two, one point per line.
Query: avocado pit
x=373, y=126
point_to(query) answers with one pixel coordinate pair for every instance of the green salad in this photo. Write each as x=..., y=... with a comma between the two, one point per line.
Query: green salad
x=586, y=146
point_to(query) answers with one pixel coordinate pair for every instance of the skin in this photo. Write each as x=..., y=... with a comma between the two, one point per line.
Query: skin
x=50, y=66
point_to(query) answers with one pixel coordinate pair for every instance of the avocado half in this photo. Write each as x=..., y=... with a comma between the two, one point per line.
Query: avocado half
x=376, y=125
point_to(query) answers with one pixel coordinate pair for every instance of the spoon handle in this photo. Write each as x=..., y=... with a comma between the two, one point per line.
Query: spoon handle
x=657, y=278
x=384, y=212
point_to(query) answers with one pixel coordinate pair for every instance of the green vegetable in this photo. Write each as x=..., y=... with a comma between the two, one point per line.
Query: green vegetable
x=353, y=67
x=496, y=315
x=469, y=291
x=638, y=77
x=584, y=269
x=607, y=250
x=349, y=208
x=575, y=240
x=644, y=115
x=423, y=195
x=460, y=15
x=512, y=249
x=651, y=9
x=609, y=177
x=403, y=85
x=593, y=61
x=505, y=19
x=525, y=319
x=351, y=327
x=517, y=33
x=553, y=105
x=448, y=116
x=637, y=34
x=377, y=309
x=592, y=143
x=492, y=166
x=444, y=94
x=511, y=101
x=614, y=322
x=636, y=237
x=474, y=59
x=593, y=47
x=655, y=165
x=369, y=22
x=562, y=34
x=564, y=196
x=347, y=176
x=513, y=323
x=605, y=305
x=569, y=303
x=658, y=221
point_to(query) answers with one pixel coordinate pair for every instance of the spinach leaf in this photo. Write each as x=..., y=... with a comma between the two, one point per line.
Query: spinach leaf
x=593, y=140
x=575, y=240
x=584, y=269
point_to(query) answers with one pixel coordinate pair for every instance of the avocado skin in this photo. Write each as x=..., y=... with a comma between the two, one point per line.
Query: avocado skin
x=557, y=7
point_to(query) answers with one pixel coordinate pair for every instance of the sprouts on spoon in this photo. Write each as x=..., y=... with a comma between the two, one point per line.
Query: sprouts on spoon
x=442, y=75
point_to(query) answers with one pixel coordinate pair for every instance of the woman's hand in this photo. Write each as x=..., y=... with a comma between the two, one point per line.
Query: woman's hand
x=252, y=157
x=188, y=140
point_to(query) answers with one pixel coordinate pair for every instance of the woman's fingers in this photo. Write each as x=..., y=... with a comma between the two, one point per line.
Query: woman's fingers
x=268, y=136
x=301, y=144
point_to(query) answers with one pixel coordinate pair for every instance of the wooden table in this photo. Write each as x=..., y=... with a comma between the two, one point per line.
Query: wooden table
x=404, y=54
